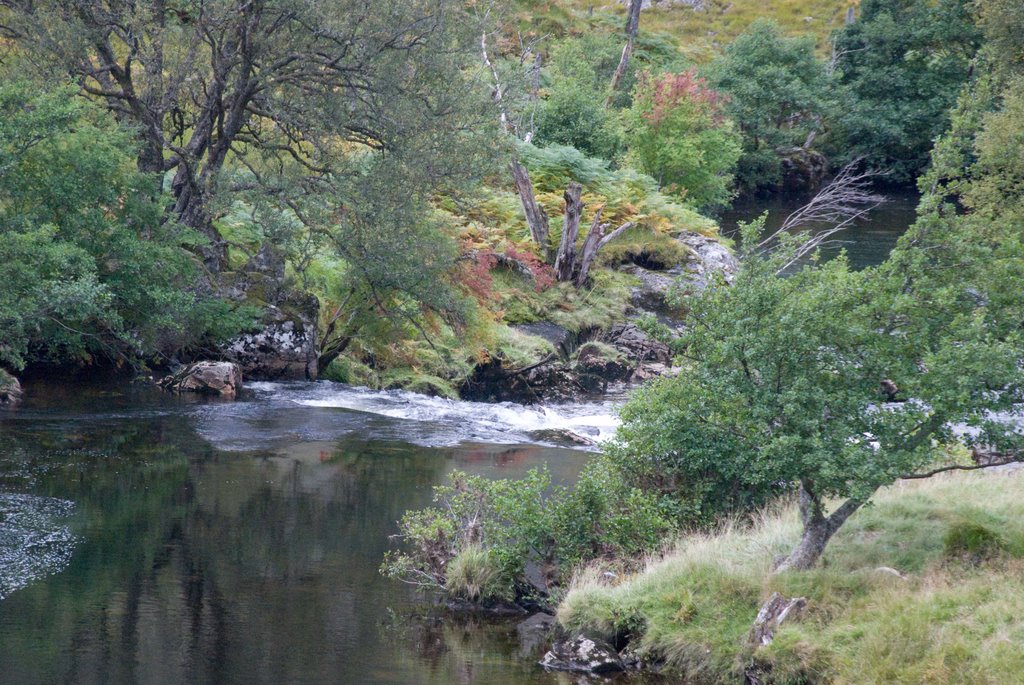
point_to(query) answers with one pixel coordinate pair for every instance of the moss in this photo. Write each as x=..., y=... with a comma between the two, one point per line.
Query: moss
x=516, y=349
x=948, y=619
x=349, y=371
x=600, y=350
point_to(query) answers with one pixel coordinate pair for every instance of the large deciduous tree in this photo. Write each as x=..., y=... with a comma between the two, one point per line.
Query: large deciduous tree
x=901, y=65
x=778, y=95
x=297, y=81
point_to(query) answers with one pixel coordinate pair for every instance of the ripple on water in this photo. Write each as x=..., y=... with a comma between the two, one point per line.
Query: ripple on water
x=34, y=541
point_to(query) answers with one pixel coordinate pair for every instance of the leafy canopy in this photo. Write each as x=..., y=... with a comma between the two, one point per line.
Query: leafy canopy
x=86, y=265
x=677, y=133
x=778, y=93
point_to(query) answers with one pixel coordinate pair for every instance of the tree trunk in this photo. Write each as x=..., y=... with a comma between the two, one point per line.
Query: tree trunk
x=536, y=218
x=818, y=528
x=565, y=261
x=632, y=27
x=190, y=209
x=596, y=239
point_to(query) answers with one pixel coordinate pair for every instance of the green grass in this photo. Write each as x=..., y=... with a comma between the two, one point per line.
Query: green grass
x=956, y=615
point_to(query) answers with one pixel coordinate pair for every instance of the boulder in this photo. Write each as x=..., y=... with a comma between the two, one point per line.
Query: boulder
x=10, y=390
x=707, y=258
x=635, y=346
x=285, y=348
x=592, y=361
x=583, y=655
x=650, y=294
x=803, y=170
x=206, y=378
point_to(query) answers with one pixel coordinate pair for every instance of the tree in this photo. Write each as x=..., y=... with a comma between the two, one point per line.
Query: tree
x=778, y=95
x=677, y=132
x=632, y=27
x=901, y=65
x=87, y=268
x=293, y=81
x=781, y=384
x=571, y=112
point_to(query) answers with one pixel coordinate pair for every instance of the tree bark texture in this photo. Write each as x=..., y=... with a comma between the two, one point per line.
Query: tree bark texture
x=565, y=261
x=536, y=218
x=818, y=528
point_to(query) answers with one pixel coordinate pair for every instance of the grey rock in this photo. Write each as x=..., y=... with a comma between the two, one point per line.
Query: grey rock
x=707, y=258
x=10, y=390
x=206, y=378
x=285, y=348
x=583, y=655
x=535, y=631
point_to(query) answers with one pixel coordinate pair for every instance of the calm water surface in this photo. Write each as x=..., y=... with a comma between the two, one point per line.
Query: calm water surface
x=154, y=539
x=866, y=242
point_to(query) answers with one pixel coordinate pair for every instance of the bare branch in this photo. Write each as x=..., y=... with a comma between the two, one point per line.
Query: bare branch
x=846, y=198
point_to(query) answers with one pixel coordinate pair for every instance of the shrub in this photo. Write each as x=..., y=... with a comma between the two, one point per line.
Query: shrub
x=477, y=540
x=677, y=133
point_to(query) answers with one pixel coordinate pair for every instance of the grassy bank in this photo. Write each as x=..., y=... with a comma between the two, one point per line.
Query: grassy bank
x=955, y=616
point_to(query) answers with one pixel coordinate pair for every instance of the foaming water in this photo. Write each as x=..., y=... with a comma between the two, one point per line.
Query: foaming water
x=34, y=542
x=434, y=421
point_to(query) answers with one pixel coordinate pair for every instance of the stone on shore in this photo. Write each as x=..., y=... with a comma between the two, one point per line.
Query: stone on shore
x=583, y=655
x=10, y=390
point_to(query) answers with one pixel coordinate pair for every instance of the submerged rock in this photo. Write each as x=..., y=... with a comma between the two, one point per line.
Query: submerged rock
x=535, y=631
x=583, y=655
x=206, y=378
x=10, y=390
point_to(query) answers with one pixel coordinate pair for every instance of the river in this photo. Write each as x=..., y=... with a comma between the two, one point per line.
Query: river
x=148, y=538
x=867, y=242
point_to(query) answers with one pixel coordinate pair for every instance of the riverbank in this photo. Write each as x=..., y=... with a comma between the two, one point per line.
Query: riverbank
x=927, y=585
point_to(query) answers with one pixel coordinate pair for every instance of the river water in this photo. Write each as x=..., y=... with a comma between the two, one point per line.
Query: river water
x=147, y=538
x=866, y=242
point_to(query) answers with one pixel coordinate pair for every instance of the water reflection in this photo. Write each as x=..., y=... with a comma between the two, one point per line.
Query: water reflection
x=201, y=565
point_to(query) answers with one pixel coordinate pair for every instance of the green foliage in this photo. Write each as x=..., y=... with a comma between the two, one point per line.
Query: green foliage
x=970, y=539
x=676, y=133
x=89, y=267
x=778, y=93
x=781, y=377
x=572, y=112
x=901, y=65
x=478, y=539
